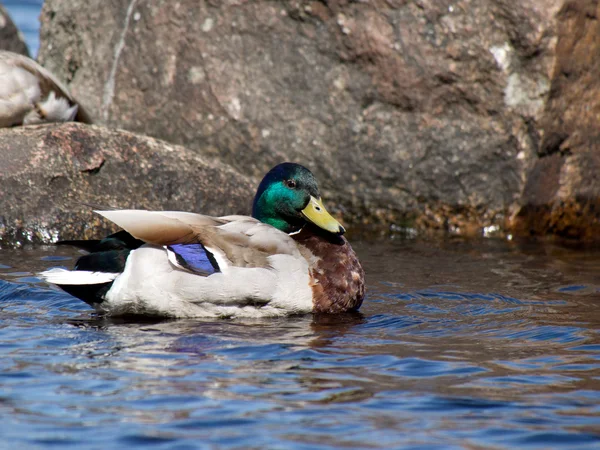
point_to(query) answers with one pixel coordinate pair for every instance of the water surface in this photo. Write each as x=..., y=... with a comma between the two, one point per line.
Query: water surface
x=459, y=344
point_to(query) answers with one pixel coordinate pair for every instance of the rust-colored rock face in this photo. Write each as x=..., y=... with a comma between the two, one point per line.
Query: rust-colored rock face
x=417, y=113
x=9, y=35
x=562, y=194
x=52, y=176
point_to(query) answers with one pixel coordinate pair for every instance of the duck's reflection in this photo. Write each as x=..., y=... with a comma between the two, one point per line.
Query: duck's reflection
x=198, y=338
x=234, y=359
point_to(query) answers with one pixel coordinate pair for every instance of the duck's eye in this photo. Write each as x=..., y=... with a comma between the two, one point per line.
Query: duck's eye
x=290, y=183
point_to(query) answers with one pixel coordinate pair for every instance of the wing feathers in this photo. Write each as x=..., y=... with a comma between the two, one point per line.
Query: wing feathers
x=48, y=82
x=239, y=241
x=40, y=84
x=151, y=226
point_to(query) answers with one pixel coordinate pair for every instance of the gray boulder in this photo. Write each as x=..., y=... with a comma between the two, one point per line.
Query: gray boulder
x=465, y=116
x=50, y=175
x=422, y=114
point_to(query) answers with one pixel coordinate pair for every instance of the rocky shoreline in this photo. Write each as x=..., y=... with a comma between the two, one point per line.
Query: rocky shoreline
x=470, y=117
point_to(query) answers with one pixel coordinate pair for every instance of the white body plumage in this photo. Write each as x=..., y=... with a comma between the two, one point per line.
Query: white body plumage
x=261, y=272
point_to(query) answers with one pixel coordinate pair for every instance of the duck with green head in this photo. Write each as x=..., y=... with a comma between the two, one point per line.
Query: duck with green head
x=290, y=257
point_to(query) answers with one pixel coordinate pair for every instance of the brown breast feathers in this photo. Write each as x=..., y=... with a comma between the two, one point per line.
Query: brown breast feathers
x=338, y=279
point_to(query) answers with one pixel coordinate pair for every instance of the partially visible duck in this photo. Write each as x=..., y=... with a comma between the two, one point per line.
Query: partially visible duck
x=290, y=257
x=29, y=94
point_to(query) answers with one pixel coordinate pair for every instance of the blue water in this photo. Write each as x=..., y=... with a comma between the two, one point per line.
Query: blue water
x=25, y=14
x=460, y=344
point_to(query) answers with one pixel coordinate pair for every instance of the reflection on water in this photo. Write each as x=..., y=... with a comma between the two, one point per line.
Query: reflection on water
x=460, y=344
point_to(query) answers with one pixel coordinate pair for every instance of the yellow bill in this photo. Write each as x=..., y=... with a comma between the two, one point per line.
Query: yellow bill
x=316, y=213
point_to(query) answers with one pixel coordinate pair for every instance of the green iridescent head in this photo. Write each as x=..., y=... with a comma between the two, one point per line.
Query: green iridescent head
x=288, y=197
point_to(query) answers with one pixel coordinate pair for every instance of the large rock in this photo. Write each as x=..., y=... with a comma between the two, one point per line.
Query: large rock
x=49, y=175
x=423, y=113
x=562, y=195
x=10, y=38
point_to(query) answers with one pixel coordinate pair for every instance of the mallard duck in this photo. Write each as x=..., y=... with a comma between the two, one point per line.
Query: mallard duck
x=29, y=94
x=290, y=257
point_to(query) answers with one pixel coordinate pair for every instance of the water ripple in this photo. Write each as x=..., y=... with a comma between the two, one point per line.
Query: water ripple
x=428, y=363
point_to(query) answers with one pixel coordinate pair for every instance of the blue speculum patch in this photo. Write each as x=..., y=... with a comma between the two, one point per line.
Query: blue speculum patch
x=195, y=258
